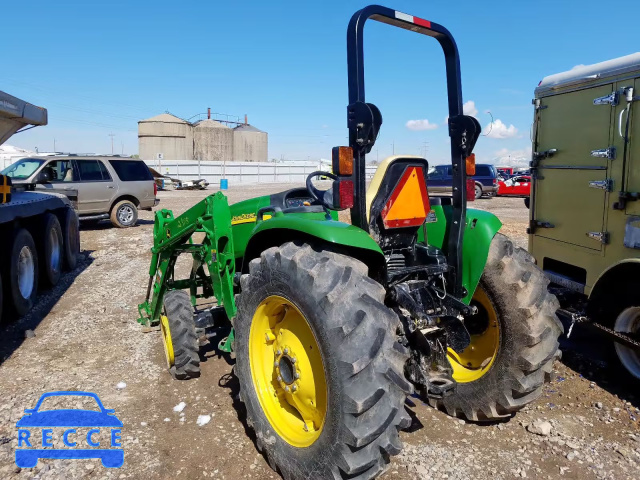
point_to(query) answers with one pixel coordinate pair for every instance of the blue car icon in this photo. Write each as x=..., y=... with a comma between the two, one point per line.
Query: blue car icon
x=70, y=419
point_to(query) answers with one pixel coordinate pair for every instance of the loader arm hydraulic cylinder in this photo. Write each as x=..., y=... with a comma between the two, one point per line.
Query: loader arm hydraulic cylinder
x=173, y=236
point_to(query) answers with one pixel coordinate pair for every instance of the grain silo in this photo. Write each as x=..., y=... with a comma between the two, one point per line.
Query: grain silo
x=249, y=144
x=212, y=141
x=165, y=136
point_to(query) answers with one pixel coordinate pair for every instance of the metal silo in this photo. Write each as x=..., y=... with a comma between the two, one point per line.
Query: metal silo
x=212, y=141
x=249, y=144
x=165, y=136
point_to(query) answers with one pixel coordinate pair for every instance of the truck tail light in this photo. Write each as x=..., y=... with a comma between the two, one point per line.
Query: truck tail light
x=408, y=205
x=155, y=189
x=345, y=193
x=471, y=190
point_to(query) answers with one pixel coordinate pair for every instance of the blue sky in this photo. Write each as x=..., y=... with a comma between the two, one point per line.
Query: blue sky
x=99, y=67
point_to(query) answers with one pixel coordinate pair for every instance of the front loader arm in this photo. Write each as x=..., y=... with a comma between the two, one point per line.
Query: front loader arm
x=173, y=236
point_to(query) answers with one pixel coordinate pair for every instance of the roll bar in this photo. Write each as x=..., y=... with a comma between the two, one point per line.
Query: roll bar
x=364, y=121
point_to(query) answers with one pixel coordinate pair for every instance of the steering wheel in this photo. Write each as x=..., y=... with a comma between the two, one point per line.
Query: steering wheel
x=325, y=197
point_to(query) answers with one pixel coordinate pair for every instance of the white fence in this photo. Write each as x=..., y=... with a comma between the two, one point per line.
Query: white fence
x=242, y=173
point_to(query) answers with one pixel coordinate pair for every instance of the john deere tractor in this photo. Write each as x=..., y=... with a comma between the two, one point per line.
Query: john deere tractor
x=332, y=324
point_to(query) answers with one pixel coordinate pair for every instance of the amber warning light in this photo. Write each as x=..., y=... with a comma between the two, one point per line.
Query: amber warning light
x=342, y=160
x=408, y=205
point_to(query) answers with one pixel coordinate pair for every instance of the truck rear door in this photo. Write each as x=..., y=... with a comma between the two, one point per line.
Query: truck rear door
x=570, y=188
x=632, y=167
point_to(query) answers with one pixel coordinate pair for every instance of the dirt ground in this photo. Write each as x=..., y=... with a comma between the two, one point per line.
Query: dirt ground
x=86, y=338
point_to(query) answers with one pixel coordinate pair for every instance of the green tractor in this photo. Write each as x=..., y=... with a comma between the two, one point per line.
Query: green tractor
x=332, y=325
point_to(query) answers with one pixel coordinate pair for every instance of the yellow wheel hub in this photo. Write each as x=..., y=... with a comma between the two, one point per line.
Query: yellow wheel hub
x=287, y=371
x=476, y=360
x=166, y=340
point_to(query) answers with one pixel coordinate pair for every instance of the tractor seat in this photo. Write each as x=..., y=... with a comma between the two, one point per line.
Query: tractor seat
x=380, y=177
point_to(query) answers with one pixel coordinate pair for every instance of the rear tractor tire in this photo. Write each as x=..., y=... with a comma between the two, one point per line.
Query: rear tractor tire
x=179, y=336
x=514, y=339
x=320, y=371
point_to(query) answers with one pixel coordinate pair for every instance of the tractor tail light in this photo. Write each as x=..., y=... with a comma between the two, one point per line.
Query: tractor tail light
x=471, y=190
x=345, y=190
x=342, y=160
x=471, y=164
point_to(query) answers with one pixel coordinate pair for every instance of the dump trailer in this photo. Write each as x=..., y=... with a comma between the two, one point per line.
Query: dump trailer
x=333, y=324
x=39, y=232
x=585, y=207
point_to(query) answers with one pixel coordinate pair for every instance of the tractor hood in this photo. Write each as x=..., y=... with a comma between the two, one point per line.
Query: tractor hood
x=16, y=114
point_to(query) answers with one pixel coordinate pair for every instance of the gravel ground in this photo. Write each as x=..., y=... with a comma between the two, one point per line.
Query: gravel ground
x=86, y=338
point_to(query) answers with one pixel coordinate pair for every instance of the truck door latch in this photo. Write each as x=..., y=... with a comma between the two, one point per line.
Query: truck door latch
x=623, y=198
x=602, y=237
x=535, y=224
x=611, y=99
x=609, y=152
x=606, y=185
x=537, y=156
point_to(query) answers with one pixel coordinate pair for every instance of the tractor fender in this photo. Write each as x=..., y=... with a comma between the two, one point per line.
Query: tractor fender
x=337, y=236
x=609, y=281
x=479, y=231
x=478, y=234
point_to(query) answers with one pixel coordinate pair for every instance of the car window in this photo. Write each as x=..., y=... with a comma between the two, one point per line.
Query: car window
x=131, y=170
x=72, y=402
x=62, y=171
x=89, y=170
x=483, y=171
x=105, y=173
x=23, y=168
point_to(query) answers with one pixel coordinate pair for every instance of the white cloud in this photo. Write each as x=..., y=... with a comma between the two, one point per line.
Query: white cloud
x=497, y=129
x=469, y=108
x=418, y=125
x=512, y=158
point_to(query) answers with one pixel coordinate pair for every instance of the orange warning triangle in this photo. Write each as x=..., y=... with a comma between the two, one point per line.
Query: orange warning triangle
x=409, y=203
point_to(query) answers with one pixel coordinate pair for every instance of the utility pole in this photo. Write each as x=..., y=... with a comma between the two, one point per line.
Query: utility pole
x=112, y=135
x=393, y=148
x=424, y=149
x=54, y=144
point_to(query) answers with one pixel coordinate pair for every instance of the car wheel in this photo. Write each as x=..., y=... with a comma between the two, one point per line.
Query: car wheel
x=124, y=214
x=22, y=272
x=478, y=191
x=51, y=250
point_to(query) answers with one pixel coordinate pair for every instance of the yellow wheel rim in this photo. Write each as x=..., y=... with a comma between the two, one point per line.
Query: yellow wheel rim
x=166, y=340
x=476, y=360
x=287, y=371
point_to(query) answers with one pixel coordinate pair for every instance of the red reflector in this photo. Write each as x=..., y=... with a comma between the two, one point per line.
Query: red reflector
x=408, y=205
x=422, y=22
x=471, y=190
x=346, y=193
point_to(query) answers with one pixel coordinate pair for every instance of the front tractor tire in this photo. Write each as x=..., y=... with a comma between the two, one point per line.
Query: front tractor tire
x=319, y=367
x=179, y=336
x=514, y=339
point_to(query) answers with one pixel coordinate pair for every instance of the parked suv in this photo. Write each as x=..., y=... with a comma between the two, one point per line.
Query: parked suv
x=486, y=179
x=108, y=187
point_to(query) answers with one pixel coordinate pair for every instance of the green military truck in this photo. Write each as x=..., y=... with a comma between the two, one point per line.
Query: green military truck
x=584, y=226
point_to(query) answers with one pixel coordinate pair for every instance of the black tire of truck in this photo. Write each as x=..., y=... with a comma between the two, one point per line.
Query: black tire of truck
x=124, y=214
x=71, y=238
x=21, y=273
x=51, y=248
x=363, y=363
x=184, y=340
x=528, y=344
x=478, y=191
